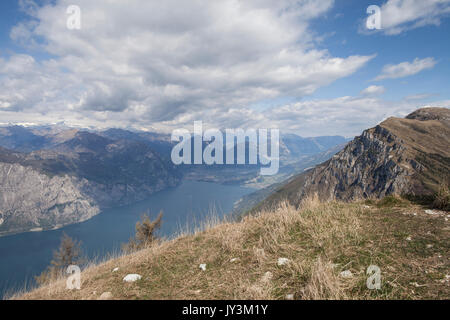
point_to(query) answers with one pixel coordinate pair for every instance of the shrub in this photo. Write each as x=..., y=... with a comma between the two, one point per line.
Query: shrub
x=145, y=234
x=68, y=253
x=442, y=198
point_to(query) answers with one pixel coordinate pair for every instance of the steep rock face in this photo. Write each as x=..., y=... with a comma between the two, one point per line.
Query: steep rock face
x=399, y=156
x=368, y=167
x=31, y=200
x=49, y=188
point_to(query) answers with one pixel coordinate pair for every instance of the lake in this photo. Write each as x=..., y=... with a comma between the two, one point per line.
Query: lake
x=25, y=255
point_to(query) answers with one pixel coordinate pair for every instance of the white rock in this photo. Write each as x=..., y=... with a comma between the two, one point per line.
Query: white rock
x=415, y=284
x=105, y=296
x=346, y=274
x=289, y=297
x=132, y=278
x=429, y=246
x=234, y=260
x=283, y=261
x=203, y=267
x=392, y=284
x=366, y=207
x=267, y=277
x=409, y=238
x=115, y=269
x=432, y=212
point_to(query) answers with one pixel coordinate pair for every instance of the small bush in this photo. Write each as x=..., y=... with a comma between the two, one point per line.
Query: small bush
x=442, y=198
x=145, y=234
x=68, y=253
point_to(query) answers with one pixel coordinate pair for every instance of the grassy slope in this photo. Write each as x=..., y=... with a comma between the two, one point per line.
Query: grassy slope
x=321, y=240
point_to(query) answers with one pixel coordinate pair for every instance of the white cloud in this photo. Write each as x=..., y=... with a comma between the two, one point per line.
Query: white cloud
x=154, y=62
x=347, y=116
x=420, y=96
x=373, y=91
x=306, y=118
x=163, y=65
x=406, y=69
x=398, y=16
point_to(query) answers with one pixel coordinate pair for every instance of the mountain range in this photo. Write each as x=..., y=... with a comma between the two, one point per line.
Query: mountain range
x=51, y=176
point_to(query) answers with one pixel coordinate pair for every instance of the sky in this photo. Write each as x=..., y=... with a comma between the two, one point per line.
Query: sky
x=307, y=67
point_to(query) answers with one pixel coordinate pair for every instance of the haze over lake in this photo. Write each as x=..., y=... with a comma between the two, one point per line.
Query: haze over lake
x=25, y=255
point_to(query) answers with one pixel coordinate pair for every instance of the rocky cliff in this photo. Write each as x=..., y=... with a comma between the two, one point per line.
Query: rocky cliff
x=74, y=181
x=31, y=200
x=399, y=156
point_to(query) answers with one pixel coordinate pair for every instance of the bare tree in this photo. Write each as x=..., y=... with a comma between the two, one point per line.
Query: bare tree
x=68, y=253
x=145, y=233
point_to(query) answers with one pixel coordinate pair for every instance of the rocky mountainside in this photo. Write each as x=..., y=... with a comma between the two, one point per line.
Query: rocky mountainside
x=76, y=179
x=249, y=201
x=56, y=175
x=399, y=156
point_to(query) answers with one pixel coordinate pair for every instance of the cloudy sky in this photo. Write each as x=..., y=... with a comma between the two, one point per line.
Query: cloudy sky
x=305, y=66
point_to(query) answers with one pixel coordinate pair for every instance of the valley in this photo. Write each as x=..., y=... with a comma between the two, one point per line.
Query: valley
x=55, y=175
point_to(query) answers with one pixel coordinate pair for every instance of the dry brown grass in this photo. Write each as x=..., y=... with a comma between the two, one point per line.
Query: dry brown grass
x=320, y=241
x=442, y=198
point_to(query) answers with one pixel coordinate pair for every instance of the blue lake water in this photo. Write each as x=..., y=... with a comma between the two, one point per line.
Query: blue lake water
x=25, y=255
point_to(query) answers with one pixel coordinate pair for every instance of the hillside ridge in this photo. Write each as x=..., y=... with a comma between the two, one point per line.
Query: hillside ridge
x=319, y=251
x=397, y=157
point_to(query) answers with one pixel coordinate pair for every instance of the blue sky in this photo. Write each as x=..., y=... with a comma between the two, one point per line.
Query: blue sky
x=428, y=41
x=307, y=67
x=10, y=15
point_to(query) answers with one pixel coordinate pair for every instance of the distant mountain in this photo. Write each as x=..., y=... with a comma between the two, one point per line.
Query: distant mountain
x=251, y=200
x=294, y=152
x=399, y=156
x=293, y=146
x=74, y=180
x=21, y=139
x=28, y=139
x=158, y=142
x=56, y=175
